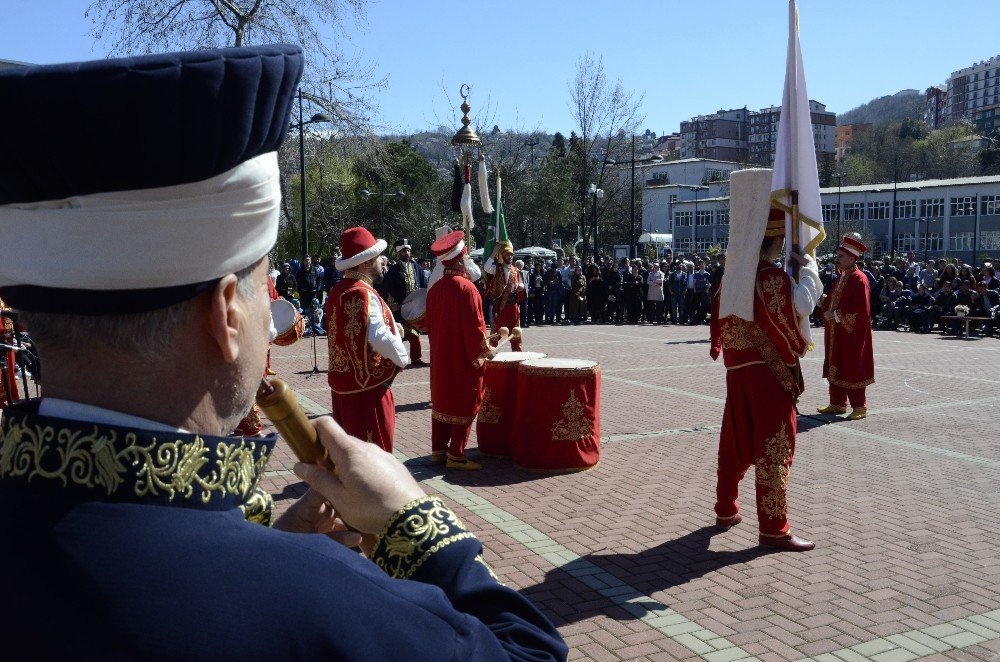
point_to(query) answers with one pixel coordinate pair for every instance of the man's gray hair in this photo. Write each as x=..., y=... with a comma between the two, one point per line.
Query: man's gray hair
x=146, y=335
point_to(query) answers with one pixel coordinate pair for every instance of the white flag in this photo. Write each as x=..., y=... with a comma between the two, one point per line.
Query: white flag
x=795, y=172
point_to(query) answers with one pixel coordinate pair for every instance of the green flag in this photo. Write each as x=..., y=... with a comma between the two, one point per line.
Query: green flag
x=496, y=232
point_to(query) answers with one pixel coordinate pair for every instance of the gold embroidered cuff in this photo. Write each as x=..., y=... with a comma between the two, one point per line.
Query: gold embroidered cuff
x=414, y=534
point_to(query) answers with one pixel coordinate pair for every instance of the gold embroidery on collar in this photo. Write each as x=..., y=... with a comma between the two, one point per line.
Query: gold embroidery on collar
x=574, y=425
x=103, y=461
x=357, y=275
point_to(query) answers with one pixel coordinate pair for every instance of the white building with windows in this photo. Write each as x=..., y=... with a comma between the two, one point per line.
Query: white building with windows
x=940, y=217
x=934, y=216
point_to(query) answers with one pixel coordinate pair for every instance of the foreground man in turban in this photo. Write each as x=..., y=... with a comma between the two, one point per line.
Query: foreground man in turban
x=756, y=329
x=134, y=522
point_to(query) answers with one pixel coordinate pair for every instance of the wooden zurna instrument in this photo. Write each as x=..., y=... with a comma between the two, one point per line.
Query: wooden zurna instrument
x=278, y=403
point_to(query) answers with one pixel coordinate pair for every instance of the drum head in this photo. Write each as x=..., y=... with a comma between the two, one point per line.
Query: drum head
x=415, y=305
x=513, y=357
x=561, y=364
x=283, y=315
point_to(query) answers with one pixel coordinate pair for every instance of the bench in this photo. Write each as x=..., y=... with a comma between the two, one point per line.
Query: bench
x=967, y=319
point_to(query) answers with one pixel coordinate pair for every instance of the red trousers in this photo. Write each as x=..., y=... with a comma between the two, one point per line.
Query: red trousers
x=446, y=437
x=509, y=316
x=840, y=395
x=758, y=428
x=369, y=415
x=414, y=341
x=7, y=398
x=251, y=425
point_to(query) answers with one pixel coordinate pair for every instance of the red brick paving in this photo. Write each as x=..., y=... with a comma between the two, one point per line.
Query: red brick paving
x=904, y=511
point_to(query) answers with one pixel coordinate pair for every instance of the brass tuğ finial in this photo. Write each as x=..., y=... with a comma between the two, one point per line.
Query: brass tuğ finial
x=466, y=135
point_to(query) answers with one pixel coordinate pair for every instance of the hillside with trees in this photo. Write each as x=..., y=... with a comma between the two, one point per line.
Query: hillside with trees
x=903, y=105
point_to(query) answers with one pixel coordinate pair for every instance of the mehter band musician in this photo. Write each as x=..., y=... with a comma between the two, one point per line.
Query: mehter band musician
x=402, y=278
x=134, y=526
x=365, y=342
x=849, y=362
x=505, y=285
x=755, y=327
x=459, y=350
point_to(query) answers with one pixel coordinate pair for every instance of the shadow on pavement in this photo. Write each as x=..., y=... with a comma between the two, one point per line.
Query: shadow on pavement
x=808, y=422
x=414, y=406
x=571, y=593
x=291, y=491
x=496, y=472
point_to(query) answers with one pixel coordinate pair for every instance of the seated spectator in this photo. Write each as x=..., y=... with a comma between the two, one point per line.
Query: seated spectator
x=944, y=305
x=919, y=304
x=986, y=304
x=929, y=276
x=900, y=306
x=990, y=277
x=965, y=273
x=949, y=274
x=888, y=294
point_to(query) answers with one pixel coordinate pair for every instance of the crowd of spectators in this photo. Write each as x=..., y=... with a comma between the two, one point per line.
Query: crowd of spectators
x=923, y=296
x=629, y=291
x=905, y=294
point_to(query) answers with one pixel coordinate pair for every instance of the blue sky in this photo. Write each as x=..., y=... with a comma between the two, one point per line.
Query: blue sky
x=687, y=57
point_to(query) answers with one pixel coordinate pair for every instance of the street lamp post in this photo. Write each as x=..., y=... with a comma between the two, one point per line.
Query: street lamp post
x=531, y=143
x=927, y=227
x=656, y=158
x=595, y=193
x=318, y=117
x=975, y=236
x=839, y=176
x=694, y=221
x=381, y=207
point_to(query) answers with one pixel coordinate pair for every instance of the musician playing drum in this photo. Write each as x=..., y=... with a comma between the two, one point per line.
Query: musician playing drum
x=404, y=277
x=365, y=342
x=505, y=285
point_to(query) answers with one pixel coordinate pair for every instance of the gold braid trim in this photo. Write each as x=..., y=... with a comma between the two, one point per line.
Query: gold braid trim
x=452, y=420
x=259, y=508
x=101, y=461
x=411, y=536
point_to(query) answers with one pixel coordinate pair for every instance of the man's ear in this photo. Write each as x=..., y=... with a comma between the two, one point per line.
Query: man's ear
x=225, y=318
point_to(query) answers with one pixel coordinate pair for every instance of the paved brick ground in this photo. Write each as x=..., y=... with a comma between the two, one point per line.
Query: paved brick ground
x=903, y=507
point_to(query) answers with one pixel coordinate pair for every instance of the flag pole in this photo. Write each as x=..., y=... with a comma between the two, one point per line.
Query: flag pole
x=795, y=232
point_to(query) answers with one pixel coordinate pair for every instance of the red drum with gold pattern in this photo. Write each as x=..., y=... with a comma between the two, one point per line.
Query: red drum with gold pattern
x=558, y=427
x=495, y=423
x=287, y=322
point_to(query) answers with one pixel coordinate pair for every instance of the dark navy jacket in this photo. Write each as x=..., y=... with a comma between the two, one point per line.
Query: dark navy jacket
x=121, y=543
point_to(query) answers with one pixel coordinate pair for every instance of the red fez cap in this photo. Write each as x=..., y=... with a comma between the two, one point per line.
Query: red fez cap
x=357, y=245
x=852, y=247
x=449, y=246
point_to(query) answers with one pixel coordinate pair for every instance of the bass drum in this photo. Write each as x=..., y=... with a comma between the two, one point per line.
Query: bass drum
x=414, y=309
x=287, y=322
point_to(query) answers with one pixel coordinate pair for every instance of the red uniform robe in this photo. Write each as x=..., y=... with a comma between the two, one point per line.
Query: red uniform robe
x=7, y=332
x=506, y=295
x=849, y=363
x=252, y=424
x=359, y=377
x=763, y=381
x=459, y=349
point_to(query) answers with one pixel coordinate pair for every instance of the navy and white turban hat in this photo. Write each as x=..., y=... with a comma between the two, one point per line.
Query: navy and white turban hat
x=133, y=184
